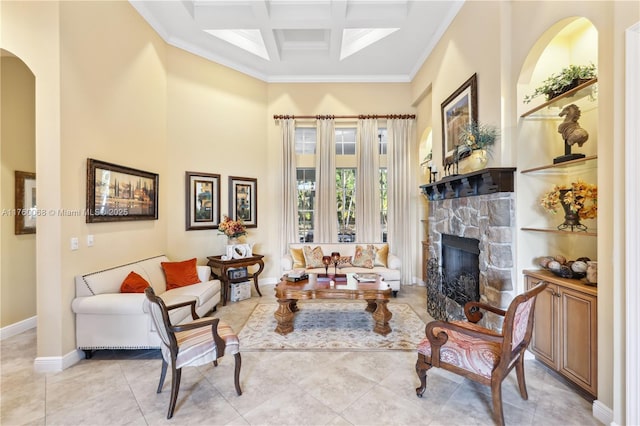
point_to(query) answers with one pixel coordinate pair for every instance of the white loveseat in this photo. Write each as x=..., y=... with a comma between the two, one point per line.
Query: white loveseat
x=391, y=273
x=108, y=319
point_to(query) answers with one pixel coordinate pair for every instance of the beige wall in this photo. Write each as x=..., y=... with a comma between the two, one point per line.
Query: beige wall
x=113, y=108
x=18, y=252
x=456, y=58
x=216, y=124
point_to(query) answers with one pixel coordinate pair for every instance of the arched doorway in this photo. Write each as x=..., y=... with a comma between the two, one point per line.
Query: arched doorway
x=18, y=305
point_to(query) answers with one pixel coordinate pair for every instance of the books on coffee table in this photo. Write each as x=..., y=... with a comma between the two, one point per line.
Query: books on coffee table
x=366, y=277
x=297, y=275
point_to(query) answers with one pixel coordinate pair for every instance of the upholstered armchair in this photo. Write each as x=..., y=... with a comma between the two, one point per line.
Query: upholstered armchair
x=190, y=344
x=477, y=353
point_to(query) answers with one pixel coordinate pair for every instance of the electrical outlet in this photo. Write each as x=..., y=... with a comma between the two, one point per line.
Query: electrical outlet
x=74, y=243
x=89, y=240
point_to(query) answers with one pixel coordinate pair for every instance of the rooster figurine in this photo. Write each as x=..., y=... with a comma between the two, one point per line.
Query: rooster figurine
x=571, y=131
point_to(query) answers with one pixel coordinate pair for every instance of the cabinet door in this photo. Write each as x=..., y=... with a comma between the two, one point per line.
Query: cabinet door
x=579, y=346
x=544, y=342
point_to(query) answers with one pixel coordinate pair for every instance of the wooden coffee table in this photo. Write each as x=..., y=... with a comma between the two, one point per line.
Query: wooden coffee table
x=376, y=294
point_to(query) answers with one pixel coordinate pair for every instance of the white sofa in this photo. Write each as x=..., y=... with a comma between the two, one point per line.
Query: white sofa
x=391, y=273
x=108, y=319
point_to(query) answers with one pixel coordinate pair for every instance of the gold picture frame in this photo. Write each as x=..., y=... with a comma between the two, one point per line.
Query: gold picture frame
x=26, y=211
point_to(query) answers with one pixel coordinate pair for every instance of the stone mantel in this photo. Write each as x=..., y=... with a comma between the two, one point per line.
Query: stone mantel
x=485, y=181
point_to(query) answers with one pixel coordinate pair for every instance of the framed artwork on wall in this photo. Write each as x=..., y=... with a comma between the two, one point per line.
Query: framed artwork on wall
x=458, y=110
x=118, y=193
x=25, y=203
x=203, y=201
x=243, y=200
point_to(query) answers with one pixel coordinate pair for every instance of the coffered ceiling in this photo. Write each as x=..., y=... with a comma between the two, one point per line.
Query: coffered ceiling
x=306, y=40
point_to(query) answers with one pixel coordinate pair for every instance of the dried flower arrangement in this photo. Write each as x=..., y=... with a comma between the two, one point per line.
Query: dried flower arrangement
x=580, y=197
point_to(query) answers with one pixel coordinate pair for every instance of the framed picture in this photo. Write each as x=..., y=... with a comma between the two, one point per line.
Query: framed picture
x=25, y=203
x=458, y=110
x=117, y=193
x=203, y=200
x=243, y=200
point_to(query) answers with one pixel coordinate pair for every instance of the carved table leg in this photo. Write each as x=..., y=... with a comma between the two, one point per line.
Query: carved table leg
x=382, y=316
x=371, y=305
x=284, y=316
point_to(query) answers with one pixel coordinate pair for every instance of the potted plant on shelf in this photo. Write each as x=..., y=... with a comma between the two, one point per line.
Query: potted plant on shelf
x=567, y=79
x=476, y=140
x=579, y=200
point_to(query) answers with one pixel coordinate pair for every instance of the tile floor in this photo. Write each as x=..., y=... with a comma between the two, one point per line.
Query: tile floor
x=279, y=388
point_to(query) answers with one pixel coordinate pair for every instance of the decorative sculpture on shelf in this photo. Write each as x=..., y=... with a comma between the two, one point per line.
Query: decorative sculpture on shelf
x=571, y=132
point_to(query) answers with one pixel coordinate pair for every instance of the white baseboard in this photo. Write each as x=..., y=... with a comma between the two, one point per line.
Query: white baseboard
x=18, y=327
x=52, y=364
x=602, y=412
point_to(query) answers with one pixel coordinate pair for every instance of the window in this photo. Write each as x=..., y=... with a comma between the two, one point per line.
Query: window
x=306, y=196
x=346, y=141
x=382, y=136
x=305, y=138
x=346, y=201
x=346, y=170
x=383, y=203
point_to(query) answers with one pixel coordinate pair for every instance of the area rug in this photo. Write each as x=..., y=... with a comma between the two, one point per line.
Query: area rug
x=331, y=326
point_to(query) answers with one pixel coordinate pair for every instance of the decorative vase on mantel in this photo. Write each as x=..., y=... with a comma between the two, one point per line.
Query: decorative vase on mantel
x=477, y=160
x=571, y=218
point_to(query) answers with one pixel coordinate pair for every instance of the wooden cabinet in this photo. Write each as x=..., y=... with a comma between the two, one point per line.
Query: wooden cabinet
x=565, y=328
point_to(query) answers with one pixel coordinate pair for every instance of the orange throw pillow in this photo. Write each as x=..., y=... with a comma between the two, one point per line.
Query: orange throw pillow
x=180, y=274
x=134, y=283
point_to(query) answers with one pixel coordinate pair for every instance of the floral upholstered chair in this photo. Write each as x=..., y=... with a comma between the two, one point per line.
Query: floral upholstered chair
x=199, y=342
x=480, y=354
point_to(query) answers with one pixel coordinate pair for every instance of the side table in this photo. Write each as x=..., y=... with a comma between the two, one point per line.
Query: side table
x=219, y=269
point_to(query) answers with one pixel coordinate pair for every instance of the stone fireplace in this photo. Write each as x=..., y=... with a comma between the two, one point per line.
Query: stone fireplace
x=473, y=216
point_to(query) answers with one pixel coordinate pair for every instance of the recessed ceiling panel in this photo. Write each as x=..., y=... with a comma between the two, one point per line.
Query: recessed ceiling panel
x=304, y=38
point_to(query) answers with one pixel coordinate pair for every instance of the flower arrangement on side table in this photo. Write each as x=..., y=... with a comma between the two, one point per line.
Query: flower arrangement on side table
x=578, y=200
x=232, y=228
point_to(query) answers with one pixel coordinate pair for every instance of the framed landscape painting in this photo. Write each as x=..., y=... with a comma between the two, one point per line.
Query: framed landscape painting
x=203, y=201
x=118, y=193
x=458, y=110
x=243, y=200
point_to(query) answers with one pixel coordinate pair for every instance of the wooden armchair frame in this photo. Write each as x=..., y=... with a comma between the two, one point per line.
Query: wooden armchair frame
x=172, y=344
x=509, y=356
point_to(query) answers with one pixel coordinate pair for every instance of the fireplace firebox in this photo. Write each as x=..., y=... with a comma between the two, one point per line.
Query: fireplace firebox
x=461, y=268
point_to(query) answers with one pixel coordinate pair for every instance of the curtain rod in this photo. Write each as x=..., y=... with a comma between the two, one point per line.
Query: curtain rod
x=360, y=116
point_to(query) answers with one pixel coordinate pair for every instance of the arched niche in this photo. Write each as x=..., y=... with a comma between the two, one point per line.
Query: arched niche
x=540, y=142
x=569, y=41
x=425, y=150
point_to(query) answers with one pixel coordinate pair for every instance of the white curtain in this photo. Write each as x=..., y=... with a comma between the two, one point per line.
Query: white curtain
x=289, y=222
x=368, y=227
x=400, y=192
x=325, y=223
